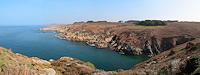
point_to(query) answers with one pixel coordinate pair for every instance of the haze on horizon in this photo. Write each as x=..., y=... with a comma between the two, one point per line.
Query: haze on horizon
x=36, y=12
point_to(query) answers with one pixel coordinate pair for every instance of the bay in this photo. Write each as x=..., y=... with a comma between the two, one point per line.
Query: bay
x=28, y=41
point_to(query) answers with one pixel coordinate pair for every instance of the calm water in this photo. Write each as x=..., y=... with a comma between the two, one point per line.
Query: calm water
x=28, y=41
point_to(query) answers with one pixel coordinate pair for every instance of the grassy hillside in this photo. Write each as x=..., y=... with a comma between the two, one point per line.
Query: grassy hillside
x=17, y=64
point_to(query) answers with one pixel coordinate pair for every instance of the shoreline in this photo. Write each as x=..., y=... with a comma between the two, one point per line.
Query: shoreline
x=144, y=44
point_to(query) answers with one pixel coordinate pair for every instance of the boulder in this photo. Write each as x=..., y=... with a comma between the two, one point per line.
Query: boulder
x=108, y=39
x=50, y=71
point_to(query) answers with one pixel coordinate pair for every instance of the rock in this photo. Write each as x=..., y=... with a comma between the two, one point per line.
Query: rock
x=155, y=50
x=147, y=48
x=119, y=47
x=107, y=33
x=137, y=51
x=66, y=58
x=51, y=60
x=108, y=39
x=104, y=73
x=101, y=46
x=113, y=42
x=50, y=71
x=41, y=62
x=114, y=45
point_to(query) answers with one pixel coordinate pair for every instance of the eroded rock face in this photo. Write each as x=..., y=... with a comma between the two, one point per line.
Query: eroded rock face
x=182, y=62
x=147, y=48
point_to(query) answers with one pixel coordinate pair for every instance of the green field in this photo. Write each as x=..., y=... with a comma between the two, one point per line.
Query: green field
x=103, y=25
x=143, y=27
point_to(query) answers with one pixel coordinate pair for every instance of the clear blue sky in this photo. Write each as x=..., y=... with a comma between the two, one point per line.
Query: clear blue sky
x=35, y=12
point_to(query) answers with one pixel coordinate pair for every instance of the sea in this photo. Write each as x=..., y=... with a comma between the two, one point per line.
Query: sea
x=27, y=40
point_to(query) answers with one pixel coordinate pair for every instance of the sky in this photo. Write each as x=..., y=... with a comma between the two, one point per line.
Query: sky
x=37, y=12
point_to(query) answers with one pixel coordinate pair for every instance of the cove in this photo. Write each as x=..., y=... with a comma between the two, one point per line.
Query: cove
x=28, y=41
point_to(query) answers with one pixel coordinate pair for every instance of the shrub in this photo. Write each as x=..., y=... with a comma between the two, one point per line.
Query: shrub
x=120, y=70
x=90, y=65
x=152, y=23
x=193, y=63
x=189, y=45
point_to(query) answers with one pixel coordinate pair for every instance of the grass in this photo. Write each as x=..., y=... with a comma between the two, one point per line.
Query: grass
x=103, y=25
x=143, y=27
x=180, y=50
x=90, y=65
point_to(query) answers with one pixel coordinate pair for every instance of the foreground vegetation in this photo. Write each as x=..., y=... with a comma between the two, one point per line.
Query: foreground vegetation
x=17, y=64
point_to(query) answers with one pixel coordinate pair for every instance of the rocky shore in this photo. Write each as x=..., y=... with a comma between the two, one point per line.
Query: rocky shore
x=128, y=41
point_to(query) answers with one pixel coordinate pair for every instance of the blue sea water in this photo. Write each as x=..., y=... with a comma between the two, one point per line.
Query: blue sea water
x=28, y=41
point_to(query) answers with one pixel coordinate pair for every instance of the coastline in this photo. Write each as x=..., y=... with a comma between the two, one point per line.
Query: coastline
x=136, y=42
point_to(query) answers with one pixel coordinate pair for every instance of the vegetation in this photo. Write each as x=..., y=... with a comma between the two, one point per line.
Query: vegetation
x=143, y=27
x=17, y=64
x=103, y=25
x=120, y=70
x=90, y=65
x=180, y=50
x=90, y=21
x=152, y=23
x=193, y=64
x=11, y=64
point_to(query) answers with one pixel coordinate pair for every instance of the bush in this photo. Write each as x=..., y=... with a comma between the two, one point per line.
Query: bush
x=120, y=70
x=193, y=63
x=90, y=65
x=152, y=23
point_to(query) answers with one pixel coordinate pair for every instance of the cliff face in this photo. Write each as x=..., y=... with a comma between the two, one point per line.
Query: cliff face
x=181, y=62
x=12, y=64
x=117, y=37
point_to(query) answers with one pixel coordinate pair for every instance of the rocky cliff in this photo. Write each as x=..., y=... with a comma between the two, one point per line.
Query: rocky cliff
x=120, y=39
x=174, y=62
